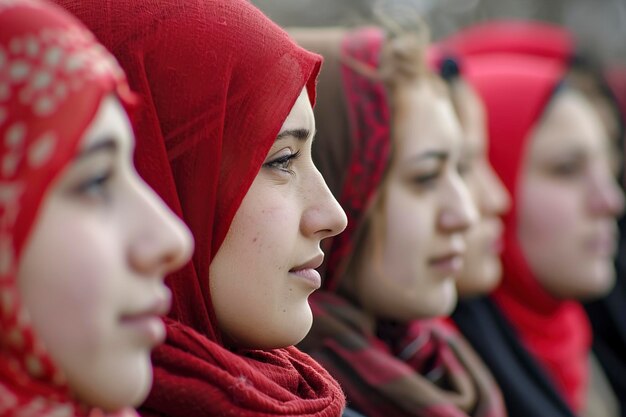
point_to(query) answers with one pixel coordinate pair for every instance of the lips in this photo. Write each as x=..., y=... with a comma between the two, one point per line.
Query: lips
x=602, y=245
x=449, y=261
x=449, y=264
x=307, y=271
x=147, y=322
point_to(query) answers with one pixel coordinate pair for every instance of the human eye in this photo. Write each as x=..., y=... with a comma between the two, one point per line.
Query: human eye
x=283, y=162
x=427, y=179
x=95, y=187
x=567, y=168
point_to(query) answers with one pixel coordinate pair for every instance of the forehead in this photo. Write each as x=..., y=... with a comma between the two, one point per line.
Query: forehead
x=569, y=122
x=110, y=121
x=301, y=114
x=425, y=118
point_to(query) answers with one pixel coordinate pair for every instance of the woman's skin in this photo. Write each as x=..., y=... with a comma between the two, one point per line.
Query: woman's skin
x=482, y=269
x=91, y=275
x=408, y=269
x=264, y=272
x=569, y=201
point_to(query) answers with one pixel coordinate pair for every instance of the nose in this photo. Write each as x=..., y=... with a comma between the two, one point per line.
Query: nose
x=493, y=198
x=161, y=243
x=323, y=217
x=457, y=211
x=605, y=196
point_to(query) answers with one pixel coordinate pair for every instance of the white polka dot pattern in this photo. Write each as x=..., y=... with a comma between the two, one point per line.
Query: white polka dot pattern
x=31, y=63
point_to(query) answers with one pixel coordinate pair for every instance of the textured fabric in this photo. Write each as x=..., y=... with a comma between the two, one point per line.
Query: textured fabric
x=516, y=85
x=218, y=79
x=423, y=369
x=527, y=389
x=353, y=148
x=53, y=76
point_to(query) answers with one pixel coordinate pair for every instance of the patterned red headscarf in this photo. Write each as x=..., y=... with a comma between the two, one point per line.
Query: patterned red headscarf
x=53, y=76
x=515, y=67
x=218, y=79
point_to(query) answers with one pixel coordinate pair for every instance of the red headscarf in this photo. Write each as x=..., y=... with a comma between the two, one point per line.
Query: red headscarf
x=526, y=37
x=516, y=72
x=53, y=76
x=218, y=79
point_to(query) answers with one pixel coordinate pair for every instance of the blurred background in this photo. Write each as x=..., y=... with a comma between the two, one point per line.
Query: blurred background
x=599, y=25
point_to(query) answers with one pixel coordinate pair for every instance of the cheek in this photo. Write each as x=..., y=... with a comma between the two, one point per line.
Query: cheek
x=256, y=302
x=548, y=214
x=67, y=288
x=409, y=228
x=481, y=262
x=259, y=239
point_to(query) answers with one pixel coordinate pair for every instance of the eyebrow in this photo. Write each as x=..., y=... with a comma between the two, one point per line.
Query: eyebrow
x=106, y=144
x=300, y=134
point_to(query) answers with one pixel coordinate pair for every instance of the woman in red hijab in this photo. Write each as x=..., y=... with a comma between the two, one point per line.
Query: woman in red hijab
x=84, y=243
x=389, y=145
x=553, y=153
x=225, y=139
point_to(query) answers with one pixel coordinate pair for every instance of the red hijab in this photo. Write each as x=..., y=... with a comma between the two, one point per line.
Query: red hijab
x=218, y=79
x=40, y=130
x=516, y=81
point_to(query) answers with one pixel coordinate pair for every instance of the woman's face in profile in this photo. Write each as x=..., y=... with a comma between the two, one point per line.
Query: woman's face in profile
x=482, y=268
x=568, y=201
x=264, y=272
x=412, y=262
x=91, y=275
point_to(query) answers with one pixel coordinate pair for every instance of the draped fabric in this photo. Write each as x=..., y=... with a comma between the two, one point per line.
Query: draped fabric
x=53, y=76
x=423, y=368
x=218, y=79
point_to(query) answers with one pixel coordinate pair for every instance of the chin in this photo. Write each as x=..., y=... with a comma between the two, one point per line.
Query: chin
x=478, y=285
x=134, y=383
x=449, y=300
x=442, y=304
x=304, y=326
x=286, y=332
x=122, y=384
x=130, y=393
x=598, y=284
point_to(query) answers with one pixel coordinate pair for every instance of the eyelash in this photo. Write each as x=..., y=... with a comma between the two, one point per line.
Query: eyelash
x=567, y=169
x=283, y=163
x=96, y=186
x=427, y=180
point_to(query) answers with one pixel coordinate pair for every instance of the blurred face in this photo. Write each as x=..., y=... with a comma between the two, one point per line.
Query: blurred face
x=425, y=211
x=91, y=275
x=264, y=272
x=481, y=268
x=568, y=201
